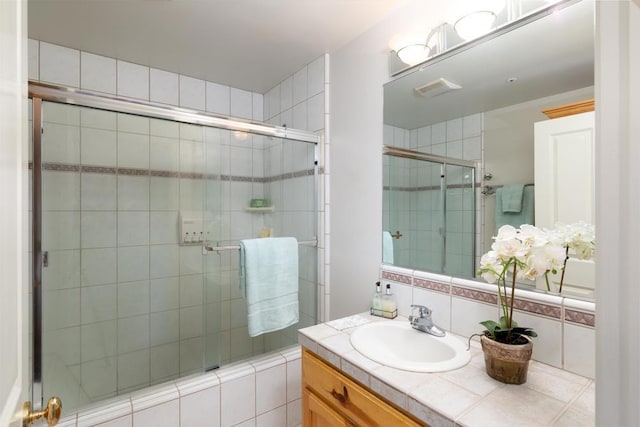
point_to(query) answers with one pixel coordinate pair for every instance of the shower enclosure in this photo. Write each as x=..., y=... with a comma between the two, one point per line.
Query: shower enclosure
x=429, y=209
x=126, y=199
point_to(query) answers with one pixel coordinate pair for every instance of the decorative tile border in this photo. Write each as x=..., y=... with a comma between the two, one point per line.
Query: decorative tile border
x=547, y=310
x=475, y=295
x=58, y=167
x=164, y=174
x=401, y=278
x=432, y=286
x=429, y=187
x=580, y=317
x=65, y=167
x=98, y=169
x=191, y=175
x=133, y=172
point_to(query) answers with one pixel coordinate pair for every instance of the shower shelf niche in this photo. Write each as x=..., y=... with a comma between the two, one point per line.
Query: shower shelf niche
x=260, y=210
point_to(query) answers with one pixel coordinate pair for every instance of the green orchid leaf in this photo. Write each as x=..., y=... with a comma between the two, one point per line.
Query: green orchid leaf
x=504, y=324
x=491, y=326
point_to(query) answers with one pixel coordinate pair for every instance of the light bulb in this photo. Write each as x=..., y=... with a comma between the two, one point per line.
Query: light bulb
x=475, y=24
x=413, y=54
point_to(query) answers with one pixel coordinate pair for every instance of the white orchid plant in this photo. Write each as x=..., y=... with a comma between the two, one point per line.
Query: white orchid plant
x=578, y=241
x=527, y=253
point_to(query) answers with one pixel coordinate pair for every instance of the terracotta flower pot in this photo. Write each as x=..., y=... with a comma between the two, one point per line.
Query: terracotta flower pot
x=507, y=363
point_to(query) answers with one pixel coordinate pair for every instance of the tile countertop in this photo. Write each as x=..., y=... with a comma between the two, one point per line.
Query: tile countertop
x=462, y=397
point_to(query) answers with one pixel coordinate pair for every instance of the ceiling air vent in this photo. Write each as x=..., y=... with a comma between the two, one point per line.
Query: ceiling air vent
x=436, y=87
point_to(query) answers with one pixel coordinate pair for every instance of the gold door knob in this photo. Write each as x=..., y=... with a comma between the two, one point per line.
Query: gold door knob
x=51, y=413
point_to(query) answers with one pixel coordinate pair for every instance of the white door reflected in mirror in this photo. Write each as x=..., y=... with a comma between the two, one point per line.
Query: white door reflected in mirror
x=565, y=186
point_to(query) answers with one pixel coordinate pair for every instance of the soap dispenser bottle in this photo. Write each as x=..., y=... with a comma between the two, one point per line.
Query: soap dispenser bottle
x=376, y=304
x=389, y=306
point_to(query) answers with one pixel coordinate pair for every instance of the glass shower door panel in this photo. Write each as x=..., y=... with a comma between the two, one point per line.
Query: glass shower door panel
x=460, y=221
x=62, y=277
x=428, y=211
x=400, y=217
x=122, y=290
x=290, y=183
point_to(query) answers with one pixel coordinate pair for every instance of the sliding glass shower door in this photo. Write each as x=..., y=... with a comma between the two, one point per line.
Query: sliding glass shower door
x=126, y=293
x=281, y=175
x=429, y=211
x=414, y=212
x=122, y=292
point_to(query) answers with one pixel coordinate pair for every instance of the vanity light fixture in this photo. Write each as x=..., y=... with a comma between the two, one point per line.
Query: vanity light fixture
x=480, y=20
x=414, y=53
x=475, y=24
x=416, y=48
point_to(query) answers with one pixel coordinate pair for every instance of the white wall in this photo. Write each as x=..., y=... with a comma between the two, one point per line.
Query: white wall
x=13, y=214
x=617, y=212
x=358, y=71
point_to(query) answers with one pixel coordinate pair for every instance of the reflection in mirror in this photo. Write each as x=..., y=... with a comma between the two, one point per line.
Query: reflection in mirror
x=428, y=214
x=505, y=83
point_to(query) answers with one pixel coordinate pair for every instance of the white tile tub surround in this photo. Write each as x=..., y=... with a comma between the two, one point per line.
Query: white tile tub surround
x=97, y=73
x=263, y=391
x=60, y=65
x=464, y=396
x=565, y=327
x=133, y=80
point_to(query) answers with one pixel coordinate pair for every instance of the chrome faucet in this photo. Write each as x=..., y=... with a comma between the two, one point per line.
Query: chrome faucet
x=423, y=321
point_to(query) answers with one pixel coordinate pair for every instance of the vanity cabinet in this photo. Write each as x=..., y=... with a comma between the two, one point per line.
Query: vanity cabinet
x=330, y=398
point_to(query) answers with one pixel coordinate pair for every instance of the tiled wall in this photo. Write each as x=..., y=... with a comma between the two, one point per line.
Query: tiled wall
x=413, y=189
x=266, y=393
x=124, y=302
x=301, y=101
x=565, y=327
x=70, y=67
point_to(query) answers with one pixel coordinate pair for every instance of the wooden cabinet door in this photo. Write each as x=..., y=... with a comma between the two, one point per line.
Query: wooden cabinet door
x=316, y=413
x=356, y=404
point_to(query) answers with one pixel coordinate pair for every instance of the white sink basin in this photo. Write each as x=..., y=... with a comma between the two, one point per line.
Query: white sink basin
x=398, y=345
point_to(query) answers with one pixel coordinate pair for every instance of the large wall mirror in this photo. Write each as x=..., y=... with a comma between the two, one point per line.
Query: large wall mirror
x=480, y=106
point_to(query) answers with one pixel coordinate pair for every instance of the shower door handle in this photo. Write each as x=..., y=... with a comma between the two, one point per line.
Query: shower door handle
x=51, y=413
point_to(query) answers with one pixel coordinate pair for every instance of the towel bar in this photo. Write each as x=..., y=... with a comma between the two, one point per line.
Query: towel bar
x=207, y=248
x=488, y=190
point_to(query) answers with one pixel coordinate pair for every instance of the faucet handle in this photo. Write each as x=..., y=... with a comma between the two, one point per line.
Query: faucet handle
x=422, y=310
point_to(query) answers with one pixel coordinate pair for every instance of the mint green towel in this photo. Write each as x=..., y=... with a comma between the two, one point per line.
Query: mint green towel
x=512, y=198
x=526, y=214
x=269, y=281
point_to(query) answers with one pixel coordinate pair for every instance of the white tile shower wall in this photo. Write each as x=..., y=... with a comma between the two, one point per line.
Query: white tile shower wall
x=264, y=390
x=301, y=101
x=565, y=327
x=55, y=64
